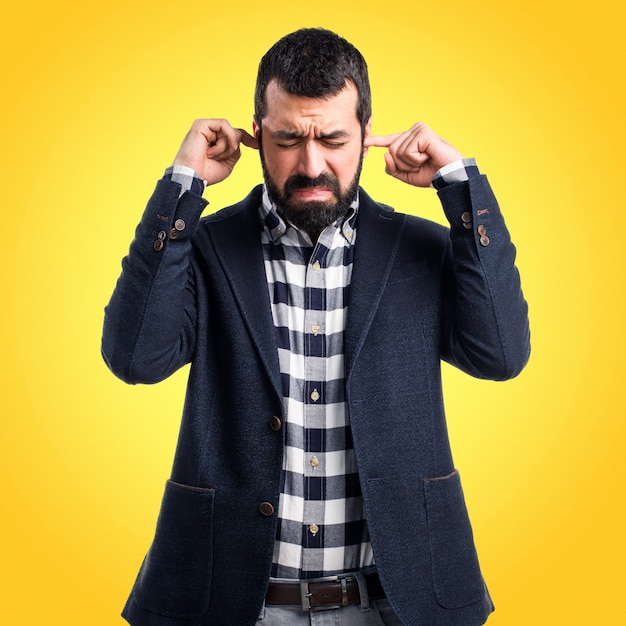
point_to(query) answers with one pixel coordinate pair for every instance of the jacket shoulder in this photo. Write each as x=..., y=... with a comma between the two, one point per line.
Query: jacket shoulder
x=250, y=203
x=414, y=227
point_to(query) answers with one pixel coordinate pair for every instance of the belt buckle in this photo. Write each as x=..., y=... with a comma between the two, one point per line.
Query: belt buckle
x=305, y=592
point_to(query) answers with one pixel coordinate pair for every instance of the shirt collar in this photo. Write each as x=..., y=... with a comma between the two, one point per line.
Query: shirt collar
x=277, y=227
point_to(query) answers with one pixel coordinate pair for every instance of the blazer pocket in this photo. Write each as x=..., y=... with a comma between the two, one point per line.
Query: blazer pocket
x=457, y=579
x=175, y=577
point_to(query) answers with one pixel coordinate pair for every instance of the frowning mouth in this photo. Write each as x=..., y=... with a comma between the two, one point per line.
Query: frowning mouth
x=321, y=188
x=312, y=193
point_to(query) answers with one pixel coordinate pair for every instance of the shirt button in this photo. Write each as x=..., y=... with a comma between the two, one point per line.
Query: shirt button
x=314, y=461
x=275, y=423
x=266, y=508
x=315, y=329
x=315, y=396
x=316, y=266
x=314, y=529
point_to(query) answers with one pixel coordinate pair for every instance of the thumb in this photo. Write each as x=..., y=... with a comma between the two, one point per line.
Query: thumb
x=390, y=165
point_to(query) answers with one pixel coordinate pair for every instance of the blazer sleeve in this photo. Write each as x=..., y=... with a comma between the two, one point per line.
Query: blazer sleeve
x=150, y=321
x=485, y=328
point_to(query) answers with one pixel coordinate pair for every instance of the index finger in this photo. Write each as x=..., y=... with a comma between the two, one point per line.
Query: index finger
x=380, y=141
x=247, y=139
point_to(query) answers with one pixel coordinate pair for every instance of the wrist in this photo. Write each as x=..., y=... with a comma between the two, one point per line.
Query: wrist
x=187, y=178
x=455, y=172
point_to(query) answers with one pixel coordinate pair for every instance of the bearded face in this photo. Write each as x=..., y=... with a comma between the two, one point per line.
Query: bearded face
x=312, y=154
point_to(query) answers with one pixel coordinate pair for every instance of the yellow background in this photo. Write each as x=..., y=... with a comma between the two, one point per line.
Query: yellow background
x=95, y=101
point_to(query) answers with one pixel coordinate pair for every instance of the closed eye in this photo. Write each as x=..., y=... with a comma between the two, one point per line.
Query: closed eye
x=286, y=139
x=326, y=142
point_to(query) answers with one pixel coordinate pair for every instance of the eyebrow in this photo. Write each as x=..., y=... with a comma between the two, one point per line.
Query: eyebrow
x=294, y=134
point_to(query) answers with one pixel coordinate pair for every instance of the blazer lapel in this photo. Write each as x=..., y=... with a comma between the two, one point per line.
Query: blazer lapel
x=237, y=241
x=378, y=236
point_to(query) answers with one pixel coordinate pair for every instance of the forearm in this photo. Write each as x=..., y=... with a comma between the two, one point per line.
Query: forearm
x=150, y=320
x=485, y=328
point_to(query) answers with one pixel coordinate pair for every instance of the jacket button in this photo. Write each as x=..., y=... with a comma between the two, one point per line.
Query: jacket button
x=266, y=508
x=179, y=224
x=158, y=245
x=481, y=230
x=484, y=241
x=275, y=423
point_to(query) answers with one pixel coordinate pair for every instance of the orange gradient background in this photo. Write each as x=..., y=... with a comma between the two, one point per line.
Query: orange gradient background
x=95, y=101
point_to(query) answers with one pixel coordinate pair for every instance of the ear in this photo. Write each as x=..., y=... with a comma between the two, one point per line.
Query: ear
x=367, y=133
x=256, y=128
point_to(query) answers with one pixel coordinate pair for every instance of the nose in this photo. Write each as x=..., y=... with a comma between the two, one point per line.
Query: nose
x=311, y=161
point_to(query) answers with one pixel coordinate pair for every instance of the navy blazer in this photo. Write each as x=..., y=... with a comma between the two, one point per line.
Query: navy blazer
x=194, y=290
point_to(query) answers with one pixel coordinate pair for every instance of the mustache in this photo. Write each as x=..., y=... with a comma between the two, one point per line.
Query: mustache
x=298, y=181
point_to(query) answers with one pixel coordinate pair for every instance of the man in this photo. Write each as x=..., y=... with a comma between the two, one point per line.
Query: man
x=313, y=441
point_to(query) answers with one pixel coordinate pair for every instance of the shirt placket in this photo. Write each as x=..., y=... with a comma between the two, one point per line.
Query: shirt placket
x=314, y=409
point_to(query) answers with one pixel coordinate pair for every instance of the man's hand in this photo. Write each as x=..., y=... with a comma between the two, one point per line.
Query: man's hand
x=211, y=149
x=415, y=155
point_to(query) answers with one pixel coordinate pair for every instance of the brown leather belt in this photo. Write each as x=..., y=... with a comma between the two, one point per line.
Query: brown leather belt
x=328, y=592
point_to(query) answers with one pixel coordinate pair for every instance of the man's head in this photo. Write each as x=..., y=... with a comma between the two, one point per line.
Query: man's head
x=312, y=113
x=314, y=63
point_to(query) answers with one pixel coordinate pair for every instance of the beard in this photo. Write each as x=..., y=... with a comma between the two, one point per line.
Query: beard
x=313, y=216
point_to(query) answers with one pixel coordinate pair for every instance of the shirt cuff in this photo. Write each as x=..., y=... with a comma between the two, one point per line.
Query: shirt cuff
x=187, y=178
x=455, y=172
